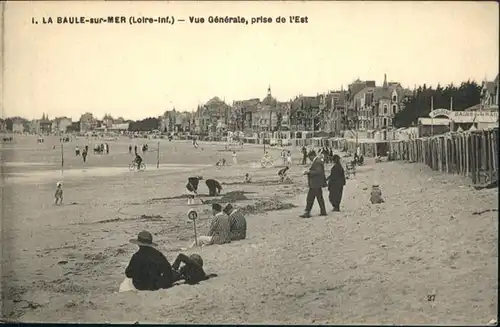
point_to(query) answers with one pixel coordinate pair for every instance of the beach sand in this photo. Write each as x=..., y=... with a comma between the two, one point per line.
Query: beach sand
x=368, y=264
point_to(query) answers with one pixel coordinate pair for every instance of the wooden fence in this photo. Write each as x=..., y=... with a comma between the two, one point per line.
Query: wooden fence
x=473, y=153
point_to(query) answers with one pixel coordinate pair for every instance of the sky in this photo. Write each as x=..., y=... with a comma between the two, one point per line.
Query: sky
x=141, y=70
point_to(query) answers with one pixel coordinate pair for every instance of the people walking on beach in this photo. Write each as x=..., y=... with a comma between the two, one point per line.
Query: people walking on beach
x=84, y=154
x=149, y=269
x=336, y=182
x=214, y=187
x=283, y=156
x=77, y=151
x=316, y=180
x=219, y=231
x=237, y=223
x=107, y=148
x=130, y=149
x=59, y=193
x=235, y=159
x=135, y=149
x=304, y=155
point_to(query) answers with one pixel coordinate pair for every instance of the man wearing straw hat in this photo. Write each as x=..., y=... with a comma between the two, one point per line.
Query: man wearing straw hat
x=148, y=269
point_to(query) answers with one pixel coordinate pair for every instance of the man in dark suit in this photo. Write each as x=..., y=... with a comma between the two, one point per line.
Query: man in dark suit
x=316, y=180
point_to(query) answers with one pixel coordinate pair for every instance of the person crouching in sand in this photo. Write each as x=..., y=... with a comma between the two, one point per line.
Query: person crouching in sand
x=214, y=187
x=248, y=179
x=192, y=188
x=59, y=193
x=219, y=231
x=376, y=195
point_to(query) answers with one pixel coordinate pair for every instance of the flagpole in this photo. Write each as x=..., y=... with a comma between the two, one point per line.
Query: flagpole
x=432, y=119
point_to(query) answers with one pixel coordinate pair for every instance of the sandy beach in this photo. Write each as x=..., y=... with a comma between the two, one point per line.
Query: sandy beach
x=368, y=264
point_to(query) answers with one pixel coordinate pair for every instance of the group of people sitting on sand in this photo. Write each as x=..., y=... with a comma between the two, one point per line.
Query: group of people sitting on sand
x=149, y=269
x=228, y=224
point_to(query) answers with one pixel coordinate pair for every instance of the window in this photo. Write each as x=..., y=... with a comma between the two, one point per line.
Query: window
x=385, y=122
x=386, y=107
x=394, y=98
x=394, y=109
x=368, y=99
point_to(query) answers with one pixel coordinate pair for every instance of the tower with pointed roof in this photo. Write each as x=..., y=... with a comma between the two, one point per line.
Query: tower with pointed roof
x=385, y=81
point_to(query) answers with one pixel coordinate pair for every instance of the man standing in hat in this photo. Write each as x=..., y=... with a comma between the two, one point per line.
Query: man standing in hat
x=237, y=223
x=148, y=268
x=316, y=180
x=219, y=232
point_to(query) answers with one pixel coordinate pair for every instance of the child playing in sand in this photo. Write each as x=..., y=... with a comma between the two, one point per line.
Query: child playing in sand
x=376, y=195
x=192, y=271
x=248, y=179
x=59, y=193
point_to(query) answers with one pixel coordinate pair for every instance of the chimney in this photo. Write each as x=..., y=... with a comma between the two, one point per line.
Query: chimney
x=385, y=81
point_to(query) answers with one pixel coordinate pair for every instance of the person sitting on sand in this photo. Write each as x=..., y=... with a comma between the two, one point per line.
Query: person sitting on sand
x=149, y=269
x=192, y=188
x=221, y=162
x=219, y=231
x=192, y=271
x=59, y=193
x=214, y=187
x=248, y=179
x=237, y=223
x=376, y=195
x=282, y=173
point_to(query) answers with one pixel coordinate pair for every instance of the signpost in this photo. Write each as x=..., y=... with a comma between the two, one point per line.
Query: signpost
x=193, y=215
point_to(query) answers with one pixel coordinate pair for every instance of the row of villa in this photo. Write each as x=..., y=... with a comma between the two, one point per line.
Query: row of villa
x=363, y=106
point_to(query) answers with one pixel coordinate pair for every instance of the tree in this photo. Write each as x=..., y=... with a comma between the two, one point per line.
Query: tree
x=465, y=96
x=9, y=124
